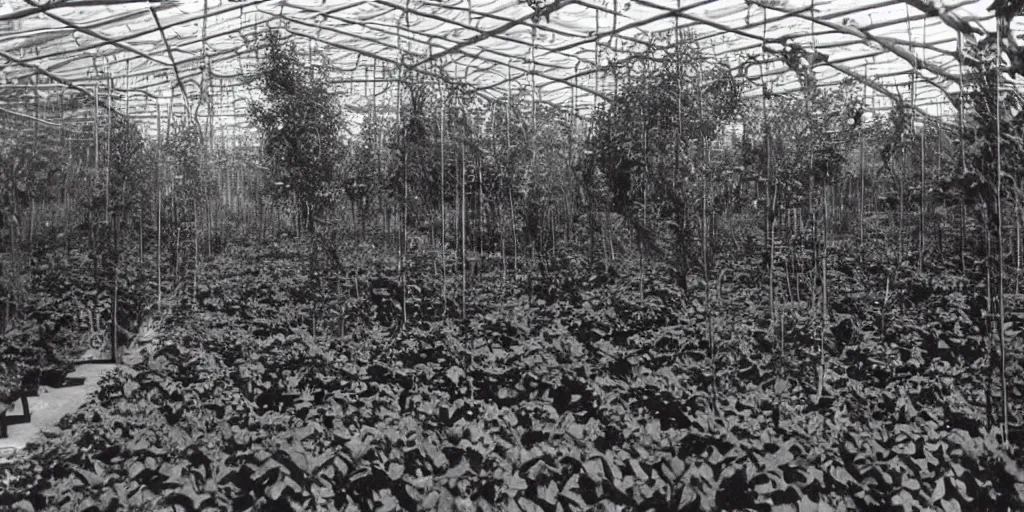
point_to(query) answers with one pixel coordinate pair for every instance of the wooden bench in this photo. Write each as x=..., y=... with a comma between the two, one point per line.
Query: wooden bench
x=24, y=417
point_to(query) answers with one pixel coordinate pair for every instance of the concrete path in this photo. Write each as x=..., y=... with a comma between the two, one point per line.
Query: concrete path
x=51, y=405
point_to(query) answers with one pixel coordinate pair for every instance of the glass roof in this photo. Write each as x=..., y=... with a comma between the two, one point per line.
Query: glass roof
x=146, y=56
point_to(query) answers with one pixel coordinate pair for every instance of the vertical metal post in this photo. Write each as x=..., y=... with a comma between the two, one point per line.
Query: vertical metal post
x=963, y=148
x=405, y=170
x=917, y=71
x=106, y=170
x=159, y=212
x=96, y=127
x=860, y=137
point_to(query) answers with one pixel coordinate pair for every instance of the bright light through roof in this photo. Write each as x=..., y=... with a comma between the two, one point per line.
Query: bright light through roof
x=153, y=51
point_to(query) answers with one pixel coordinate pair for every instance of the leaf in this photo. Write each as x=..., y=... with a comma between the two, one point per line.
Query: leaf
x=395, y=470
x=808, y=505
x=638, y=470
x=705, y=472
x=825, y=507
x=135, y=468
x=841, y=475
x=454, y=374
x=388, y=502
x=438, y=458
x=766, y=487
x=458, y=470
x=527, y=505
x=594, y=469
x=187, y=494
x=357, y=448
x=614, y=473
x=24, y=506
x=446, y=502
x=299, y=459
x=814, y=475
x=550, y=493
x=575, y=430
x=431, y=500
x=911, y=484
x=939, y=491
x=961, y=487
x=89, y=478
x=781, y=386
x=904, y=499
x=951, y=506
x=516, y=483
x=268, y=467
x=687, y=497
x=678, y=466
x=276, y=489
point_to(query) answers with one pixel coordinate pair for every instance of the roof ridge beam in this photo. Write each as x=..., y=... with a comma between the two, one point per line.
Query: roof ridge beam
x=56, y=78
x=224, y=9
x=868, y=36
x=37, y=9
x=483, y=36
x=640, y=23
x=95, y=34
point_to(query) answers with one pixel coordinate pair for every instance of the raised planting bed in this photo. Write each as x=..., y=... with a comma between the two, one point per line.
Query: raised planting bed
x=55, y=374
x=15, y=378
x=70, y=382
x=66, y=382
x=27, y=361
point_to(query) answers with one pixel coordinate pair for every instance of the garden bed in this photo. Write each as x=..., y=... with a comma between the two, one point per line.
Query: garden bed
x=576, y=396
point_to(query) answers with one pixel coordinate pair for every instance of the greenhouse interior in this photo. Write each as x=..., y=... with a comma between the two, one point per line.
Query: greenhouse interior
x=536, y=255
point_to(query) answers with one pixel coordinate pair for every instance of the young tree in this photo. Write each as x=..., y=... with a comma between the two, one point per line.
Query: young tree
x=300, y=122
x=649, y=144
x=362, y=178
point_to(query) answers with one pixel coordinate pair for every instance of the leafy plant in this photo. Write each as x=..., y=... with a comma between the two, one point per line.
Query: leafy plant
x=300, y=123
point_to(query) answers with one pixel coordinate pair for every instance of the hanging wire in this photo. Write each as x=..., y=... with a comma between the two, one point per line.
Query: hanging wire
x=598, y=70
x=924, y=121
x=913, y=106
x=533, y=106
x=705, y=234
x=159, y=213
x=444, y=221
x=403, y=246
x=771, y=190
x=614, y=52
x=860, y=137
x=508, y=150
x=572, y=136
x=106, y=167
x=824, y=200
x=999, y=231
x=533, y=94
x=678, y=136
x=963, y=149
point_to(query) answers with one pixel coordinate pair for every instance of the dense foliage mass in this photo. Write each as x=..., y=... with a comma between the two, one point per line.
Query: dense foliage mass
x=300, y=123
x=564, y=391
x=84, y=232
